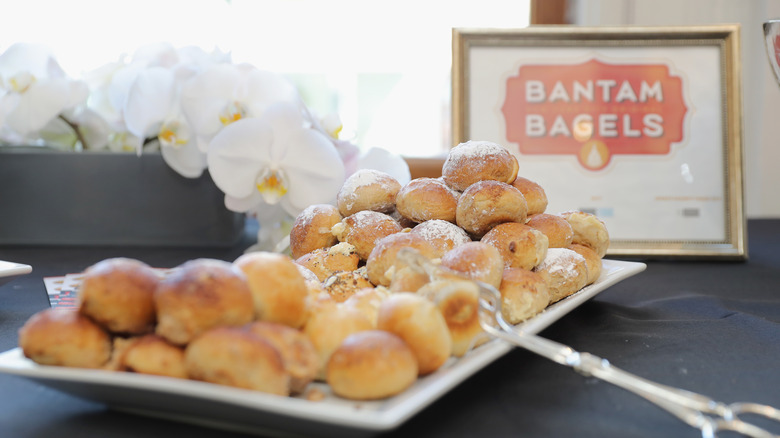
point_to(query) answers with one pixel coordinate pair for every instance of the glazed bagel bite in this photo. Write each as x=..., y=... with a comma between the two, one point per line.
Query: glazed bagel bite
x=371, y=365
x=485, y=204
x=151, y=354
x=592, y=261
x=565, y=272
x=406, y=278
x=443, y=235
x=118, y=294
x=557, y=229
x=367, y=189
x=524, y=294
x=520, y=246
x=589, y=230
x=423, y=199
x=201, y=294
x=342, y=285
x=324, y=262
x=458, y=302
x=403, y=221
x=363, y=229
x=235, y=357
x=474, y=161
x=367, y=301
x=328, y=327
x=298, y=353
x=311, y=229
x=534, y=194
x=383, y=256
x=476, y=261
x=64, y=338
x=417, y=321
x=277, y=287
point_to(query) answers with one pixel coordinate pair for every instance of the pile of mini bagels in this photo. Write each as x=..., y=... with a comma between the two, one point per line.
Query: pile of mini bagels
x=352, y=305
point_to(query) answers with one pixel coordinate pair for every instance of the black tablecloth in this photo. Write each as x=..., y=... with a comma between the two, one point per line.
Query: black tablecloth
x=711, y=327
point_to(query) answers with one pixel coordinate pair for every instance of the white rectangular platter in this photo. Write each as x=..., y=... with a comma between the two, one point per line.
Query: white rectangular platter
x=250, y=411
x=11, y=270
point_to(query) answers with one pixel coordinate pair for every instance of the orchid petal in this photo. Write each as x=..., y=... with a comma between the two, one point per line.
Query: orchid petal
x=8, y=102
x=58, y=134
x=53, y=69
x=314, y=169
x=78, y=93
x=38, y=105
x=349, y=153
x=237, y=154
x=286, y=121
x=187, y=159
x=19, y=57
x=94, y=128
x=121, y=82
x=205, y=95
x=124, y=142
x=203, y=143
x=387, y=162
x=245, y=204
x=149, y=101
x=265, y=88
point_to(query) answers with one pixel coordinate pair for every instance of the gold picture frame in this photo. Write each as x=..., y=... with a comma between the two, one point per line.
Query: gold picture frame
x=640, y=125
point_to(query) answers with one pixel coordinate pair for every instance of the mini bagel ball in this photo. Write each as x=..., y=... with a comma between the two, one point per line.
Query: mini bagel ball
x=371, y=365
x=474, y=161
x=278, y=288
x=201, y=294
x=118, y=294
x=485, y=204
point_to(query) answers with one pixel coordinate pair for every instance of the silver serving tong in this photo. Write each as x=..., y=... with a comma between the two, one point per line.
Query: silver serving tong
x=699, y=411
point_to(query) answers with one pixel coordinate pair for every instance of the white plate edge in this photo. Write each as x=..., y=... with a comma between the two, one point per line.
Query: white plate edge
x=10, y=269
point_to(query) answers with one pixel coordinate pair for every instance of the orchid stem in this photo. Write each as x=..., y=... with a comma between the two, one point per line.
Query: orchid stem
x=76, y=130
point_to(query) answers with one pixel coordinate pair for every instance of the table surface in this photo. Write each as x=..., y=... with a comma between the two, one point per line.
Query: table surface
x=711, y=327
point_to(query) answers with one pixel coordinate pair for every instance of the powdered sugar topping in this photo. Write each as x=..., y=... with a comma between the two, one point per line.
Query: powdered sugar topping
x=474, y=150
x=365, y=177
x=561, y=261
x=437, y=229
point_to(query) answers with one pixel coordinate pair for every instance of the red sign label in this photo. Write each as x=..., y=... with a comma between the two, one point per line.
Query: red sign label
x=776, y=45
x=594, y=110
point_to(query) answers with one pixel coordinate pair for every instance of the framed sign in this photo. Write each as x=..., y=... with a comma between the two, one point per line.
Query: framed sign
x=640, y=126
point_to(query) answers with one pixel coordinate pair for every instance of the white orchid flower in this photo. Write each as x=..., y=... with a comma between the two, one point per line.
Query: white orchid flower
x=99, y=82
x=148, y=91
x=152, y=110
x=276, y=159
x=80, y=128
x=179, y=147
x=112, y=84
x=37, y=88
x=225, y=93
x=149, y=101
x=123, y=141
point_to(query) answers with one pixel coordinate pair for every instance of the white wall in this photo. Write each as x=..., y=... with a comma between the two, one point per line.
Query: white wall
x=761, y=93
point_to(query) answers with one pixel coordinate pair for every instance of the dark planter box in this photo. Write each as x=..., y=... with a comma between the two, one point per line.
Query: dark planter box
x=96, y=198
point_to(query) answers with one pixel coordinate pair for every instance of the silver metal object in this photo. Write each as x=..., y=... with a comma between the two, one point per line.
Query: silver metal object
x=697, y=410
